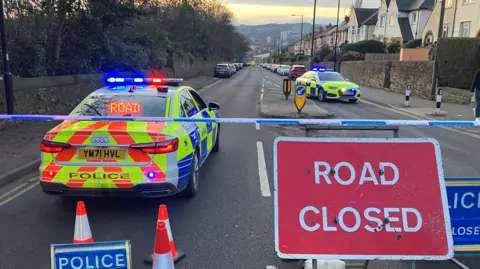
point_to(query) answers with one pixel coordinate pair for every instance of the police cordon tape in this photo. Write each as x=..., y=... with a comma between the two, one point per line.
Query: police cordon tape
x=248, y=120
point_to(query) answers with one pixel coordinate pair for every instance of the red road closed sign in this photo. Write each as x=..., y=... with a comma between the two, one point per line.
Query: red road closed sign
x=350, y=198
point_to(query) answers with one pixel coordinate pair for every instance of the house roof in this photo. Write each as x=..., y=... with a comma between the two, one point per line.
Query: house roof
x=405, y=28
x=372, y=20
x=410, y=5
x=363, y=13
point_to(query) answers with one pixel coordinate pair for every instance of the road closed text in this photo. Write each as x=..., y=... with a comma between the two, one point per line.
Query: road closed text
x=349, y=218
x=372, y=219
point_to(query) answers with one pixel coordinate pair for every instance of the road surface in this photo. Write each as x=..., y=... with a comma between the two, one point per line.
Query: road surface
x=230, y=223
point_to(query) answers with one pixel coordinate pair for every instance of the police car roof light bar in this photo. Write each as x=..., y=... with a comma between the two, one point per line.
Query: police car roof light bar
x=118, y=80
x=319, y=68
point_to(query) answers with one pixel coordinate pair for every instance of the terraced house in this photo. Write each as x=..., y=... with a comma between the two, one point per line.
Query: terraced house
x=461, y=19
x=362, y=24
x=402, y=20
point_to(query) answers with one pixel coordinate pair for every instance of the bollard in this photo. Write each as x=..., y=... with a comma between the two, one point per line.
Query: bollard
x=407, y=96
x=439, y=101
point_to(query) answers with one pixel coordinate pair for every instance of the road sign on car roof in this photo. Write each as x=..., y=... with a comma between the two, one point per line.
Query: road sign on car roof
x=352, y=198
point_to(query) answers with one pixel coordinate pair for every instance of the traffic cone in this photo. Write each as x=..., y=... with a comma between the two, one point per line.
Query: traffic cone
x=163, y=218
x=82, y=233
x=162, y=254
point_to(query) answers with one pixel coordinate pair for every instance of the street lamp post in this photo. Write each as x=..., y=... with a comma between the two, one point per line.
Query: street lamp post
x=301, y=33
x=336, y=39
x=7, y=77
x=313, y=30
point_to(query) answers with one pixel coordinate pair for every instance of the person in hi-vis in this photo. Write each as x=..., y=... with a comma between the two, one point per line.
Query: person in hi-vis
x=476, y=94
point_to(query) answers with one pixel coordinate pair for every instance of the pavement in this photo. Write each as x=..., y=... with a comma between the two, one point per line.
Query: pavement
x=418, y=106
x=229, y=224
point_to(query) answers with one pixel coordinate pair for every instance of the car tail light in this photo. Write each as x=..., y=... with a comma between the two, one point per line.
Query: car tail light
x=53, y=147
x=158, y=147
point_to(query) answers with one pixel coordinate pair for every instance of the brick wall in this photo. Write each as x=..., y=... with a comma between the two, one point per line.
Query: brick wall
x=396, y=75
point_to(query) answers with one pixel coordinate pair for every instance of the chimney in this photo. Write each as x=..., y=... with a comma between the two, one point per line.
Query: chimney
x=347, y=19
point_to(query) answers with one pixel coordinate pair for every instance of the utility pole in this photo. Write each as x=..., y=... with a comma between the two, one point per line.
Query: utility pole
x=302, y=49
x=7, y=76
x=336, y=39
x=435, y=61
x=313, y=30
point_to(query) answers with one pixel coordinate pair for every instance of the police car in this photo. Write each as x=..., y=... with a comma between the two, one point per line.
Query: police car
x=149, y=159
x=326, y=84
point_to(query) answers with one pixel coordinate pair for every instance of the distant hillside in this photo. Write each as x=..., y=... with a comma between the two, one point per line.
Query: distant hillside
x=260, y=33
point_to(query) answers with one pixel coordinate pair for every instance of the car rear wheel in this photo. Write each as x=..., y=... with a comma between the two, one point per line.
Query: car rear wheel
x=192, y=186
x=353, y=101
x=321, y=95
x=216, y=147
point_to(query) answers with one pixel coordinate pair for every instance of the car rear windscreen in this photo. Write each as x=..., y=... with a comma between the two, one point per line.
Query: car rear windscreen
x=299, y=68
x=123, y=106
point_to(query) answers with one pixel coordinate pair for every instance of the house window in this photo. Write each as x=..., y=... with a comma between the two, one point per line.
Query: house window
x=449, y=3
x=382, y=21
x=465, y=2
x=445, y=30
x=414, y=17
x=465, y=29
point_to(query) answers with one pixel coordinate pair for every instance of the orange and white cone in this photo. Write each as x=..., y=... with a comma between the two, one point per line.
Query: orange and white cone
x=82, y=233
x=163, y=218
x=162, y=254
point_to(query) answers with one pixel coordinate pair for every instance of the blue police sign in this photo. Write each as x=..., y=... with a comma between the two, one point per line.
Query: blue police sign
x=464, y=205
x=101, y=255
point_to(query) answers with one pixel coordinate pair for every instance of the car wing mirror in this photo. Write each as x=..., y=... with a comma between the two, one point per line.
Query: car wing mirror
x=347, y=79
x=213, y=106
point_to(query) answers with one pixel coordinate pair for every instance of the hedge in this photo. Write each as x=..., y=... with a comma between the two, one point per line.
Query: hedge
x=413, y=44
x=458, y=60
x=366, y=46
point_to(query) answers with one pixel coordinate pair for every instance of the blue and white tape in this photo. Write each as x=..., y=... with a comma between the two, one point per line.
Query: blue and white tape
x=371, y=122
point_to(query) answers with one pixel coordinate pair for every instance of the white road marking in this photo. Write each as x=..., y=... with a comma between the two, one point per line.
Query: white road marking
x=208, y=86
x=17, y=191
x=257, y=126
x=461, y=265
x=261, y=96
x=262, y=171
x=271, y=267
x=262, y=89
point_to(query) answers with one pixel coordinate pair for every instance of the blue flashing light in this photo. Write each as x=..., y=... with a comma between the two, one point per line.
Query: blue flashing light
x=115, y=80
x=151, y=175
x=138, y=80
x=319, y=68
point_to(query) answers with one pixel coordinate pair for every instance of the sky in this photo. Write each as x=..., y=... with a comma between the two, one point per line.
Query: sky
x=280, y=11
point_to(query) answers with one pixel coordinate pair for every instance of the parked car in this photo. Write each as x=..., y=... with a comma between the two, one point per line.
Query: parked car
x=233, y=68
x=284, y=70
x=222, y=70
x=296, y=71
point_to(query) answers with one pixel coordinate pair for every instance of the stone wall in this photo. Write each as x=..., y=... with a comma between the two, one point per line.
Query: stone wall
x=397, y=75
x=186, y=67
x=59, y=95
x=372, y=74
x=416, y=74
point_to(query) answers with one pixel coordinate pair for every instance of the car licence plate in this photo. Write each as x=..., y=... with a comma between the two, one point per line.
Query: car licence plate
x=102, y=154
x=349, y=93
